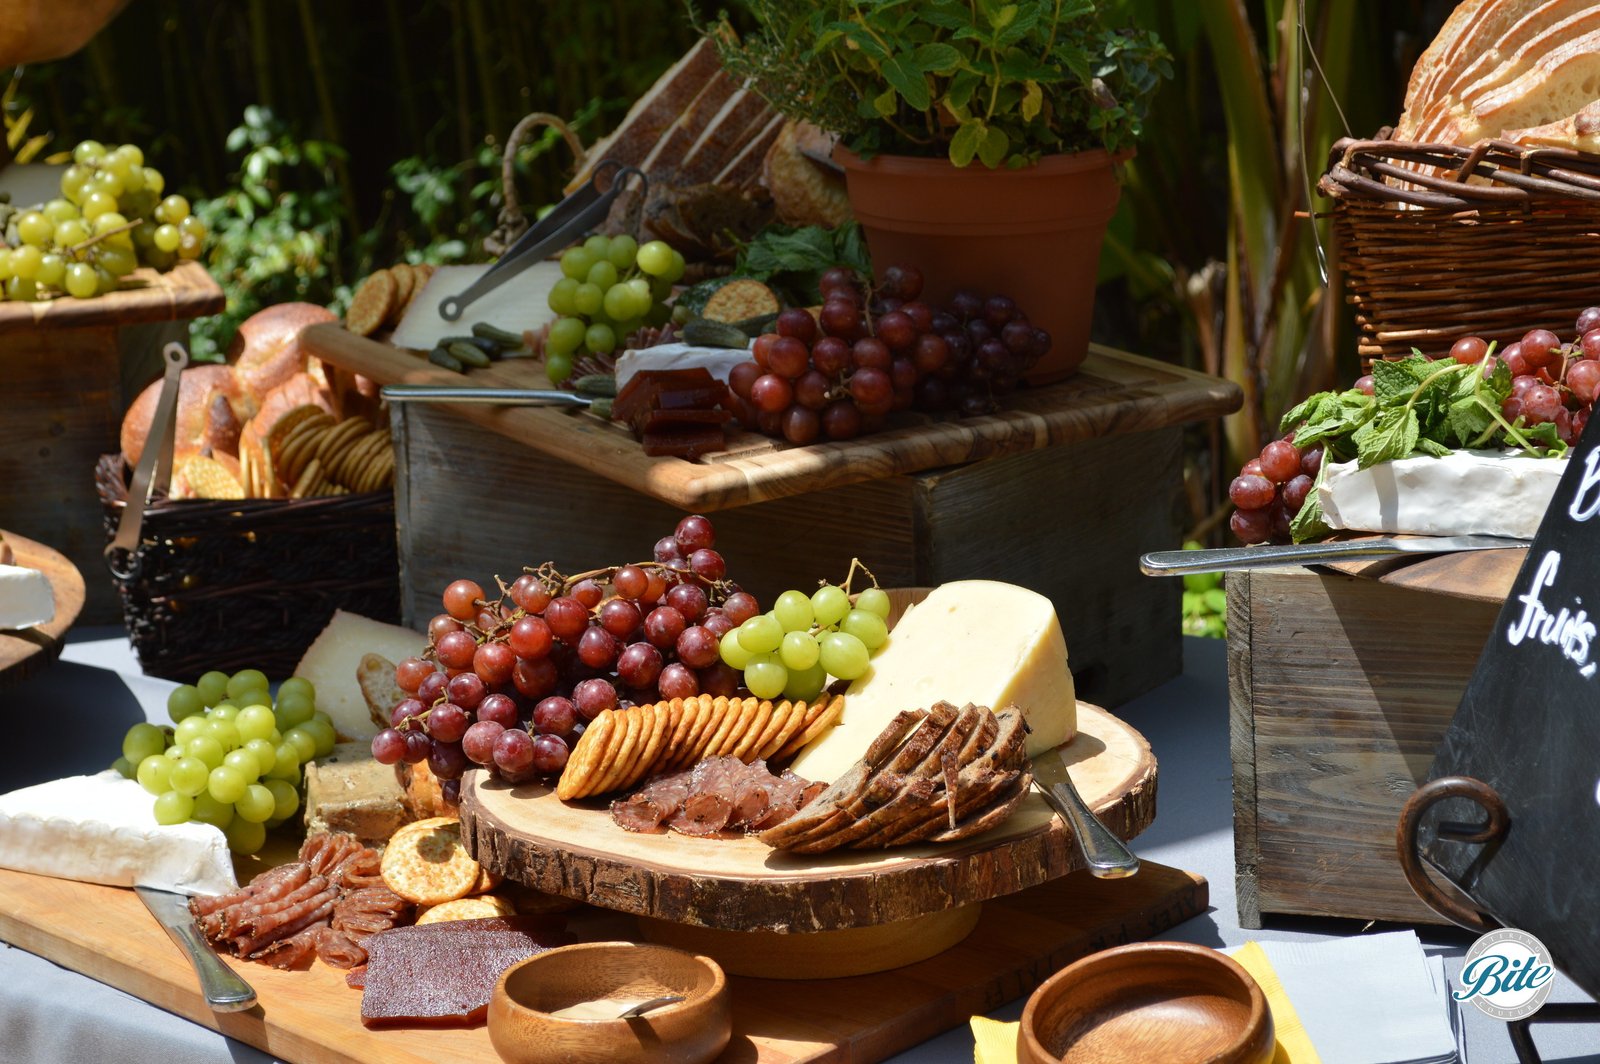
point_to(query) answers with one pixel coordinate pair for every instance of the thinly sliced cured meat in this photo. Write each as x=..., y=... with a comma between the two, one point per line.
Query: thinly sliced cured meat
x=295, y=951
x=638, y=813
x=702, y=814
x=370, y=909
x=248, y=920
x=339, y=949
x=718, y=794
x=361, y=869
x=290, y=922
x=206, y=905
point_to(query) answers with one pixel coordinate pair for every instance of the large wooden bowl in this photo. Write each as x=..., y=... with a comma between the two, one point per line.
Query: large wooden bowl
x=1169, y=1001
x=692, y=1031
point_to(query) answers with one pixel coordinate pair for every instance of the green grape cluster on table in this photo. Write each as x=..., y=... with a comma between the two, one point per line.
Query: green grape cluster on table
x=111, y=217
x=793, y=649
x=233, y=759
x=609, y=289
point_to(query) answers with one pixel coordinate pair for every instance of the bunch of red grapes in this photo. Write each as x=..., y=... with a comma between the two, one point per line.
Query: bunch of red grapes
x=1552, y=383
x=840, y=374
x=509, y=683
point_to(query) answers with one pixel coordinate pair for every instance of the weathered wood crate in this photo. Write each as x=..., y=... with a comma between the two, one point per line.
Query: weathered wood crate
x=68, y=370
x=1068, y=521
x=1340, y=689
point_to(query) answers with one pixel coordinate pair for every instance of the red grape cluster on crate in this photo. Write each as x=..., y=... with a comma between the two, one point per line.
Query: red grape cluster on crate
x=841, y=373
x=510, y=681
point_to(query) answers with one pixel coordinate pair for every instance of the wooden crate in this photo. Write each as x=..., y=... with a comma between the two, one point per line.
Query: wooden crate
x=1340, y=689
x=1067, y=521
x=70, y=368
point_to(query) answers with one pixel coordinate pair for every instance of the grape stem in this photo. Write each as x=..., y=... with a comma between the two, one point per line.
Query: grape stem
x=857, y=563
x=76, y=249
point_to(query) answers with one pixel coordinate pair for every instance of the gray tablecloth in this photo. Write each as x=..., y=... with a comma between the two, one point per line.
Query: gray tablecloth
x=70, y=718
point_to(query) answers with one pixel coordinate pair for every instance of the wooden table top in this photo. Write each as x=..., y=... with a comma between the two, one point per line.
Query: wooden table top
x=183, y=292
x=1113, y=393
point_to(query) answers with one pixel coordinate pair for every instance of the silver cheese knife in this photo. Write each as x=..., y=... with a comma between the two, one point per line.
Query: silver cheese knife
x=1232, y=559
x=223, y=989
x=1107, y=856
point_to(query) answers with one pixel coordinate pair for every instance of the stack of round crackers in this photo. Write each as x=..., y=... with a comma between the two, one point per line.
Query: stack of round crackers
x=622, y=747
x=381, y=300
x=426, y=863
x=309, y=453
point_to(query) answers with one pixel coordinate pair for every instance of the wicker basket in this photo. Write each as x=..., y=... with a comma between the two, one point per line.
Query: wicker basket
x=249, y=584
x=1429, y=257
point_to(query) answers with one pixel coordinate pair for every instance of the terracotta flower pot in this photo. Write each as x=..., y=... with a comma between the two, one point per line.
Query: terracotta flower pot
x=1033, y=234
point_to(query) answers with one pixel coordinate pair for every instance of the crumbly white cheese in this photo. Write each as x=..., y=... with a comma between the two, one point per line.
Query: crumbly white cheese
x=25, y=598
x=978, y=641
x=718, y=361
x=1489, y=493
x=101, y=829
x=330, y=664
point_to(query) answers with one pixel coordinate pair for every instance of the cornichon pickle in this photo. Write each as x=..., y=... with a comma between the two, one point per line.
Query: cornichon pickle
x=468, y=354
x=703, y=333
x=596, y=385
x=440, y=357
x=508, y=340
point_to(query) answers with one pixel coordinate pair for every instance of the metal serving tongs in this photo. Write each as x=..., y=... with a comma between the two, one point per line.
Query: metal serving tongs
x=154, y=470
x=444, y=393
x=570, y=218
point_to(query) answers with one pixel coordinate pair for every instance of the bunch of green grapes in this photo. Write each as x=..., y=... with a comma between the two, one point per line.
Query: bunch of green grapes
x=234, y=758
x=610, y=288
x=111, y=217
x=792, y=650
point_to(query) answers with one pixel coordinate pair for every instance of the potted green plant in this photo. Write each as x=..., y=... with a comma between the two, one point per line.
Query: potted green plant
x=979, y=138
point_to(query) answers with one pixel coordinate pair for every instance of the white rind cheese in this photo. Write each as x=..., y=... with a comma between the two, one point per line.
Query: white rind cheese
x=25, y=598
x=102, y=829
x=978, y=641
x=331, y=662
x=1488, y=493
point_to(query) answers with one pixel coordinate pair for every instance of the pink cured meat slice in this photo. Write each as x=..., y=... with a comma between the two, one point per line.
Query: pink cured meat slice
x=295, y=951
x=668, y=792
x=752, y=795
x=338, y=949
x=639, y=814
x=205, y=905
x=289, y=922
x=702, y=814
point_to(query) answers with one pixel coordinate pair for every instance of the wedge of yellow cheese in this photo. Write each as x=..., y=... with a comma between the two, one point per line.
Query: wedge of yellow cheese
x=978, y=641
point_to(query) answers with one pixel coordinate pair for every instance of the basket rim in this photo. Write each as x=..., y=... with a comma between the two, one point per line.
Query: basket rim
x=1517, y=175
x=113, y=485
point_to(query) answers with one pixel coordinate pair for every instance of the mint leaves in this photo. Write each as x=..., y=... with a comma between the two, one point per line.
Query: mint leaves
x=1418, y=406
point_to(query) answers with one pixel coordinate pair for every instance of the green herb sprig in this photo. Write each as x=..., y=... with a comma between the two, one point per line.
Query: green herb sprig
x=1417, y=406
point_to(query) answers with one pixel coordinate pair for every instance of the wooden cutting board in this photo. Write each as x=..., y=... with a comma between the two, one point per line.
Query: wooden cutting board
x=574, y=849
x=311, y=1016
x=1114, y=392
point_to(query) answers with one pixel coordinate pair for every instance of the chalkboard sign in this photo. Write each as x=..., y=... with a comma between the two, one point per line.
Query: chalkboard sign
x=1529, y=726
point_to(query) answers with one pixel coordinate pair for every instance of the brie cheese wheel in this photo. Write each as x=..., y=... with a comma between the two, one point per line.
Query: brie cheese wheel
x=718, y=361
x=102, y=829
x=330, y=664
x=1489, y=493
x=978, y=641
x=25, y=598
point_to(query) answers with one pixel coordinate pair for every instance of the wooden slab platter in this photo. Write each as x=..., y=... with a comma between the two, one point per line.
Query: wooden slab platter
x=1114, y=392
x=183, y=292
x=740, y=884
x=1475, y=575
x=23, y=651
x=311, y=1016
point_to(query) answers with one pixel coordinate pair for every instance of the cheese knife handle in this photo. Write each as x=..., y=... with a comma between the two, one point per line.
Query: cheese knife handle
x=223, y=989
x=1107, y=856
x=1230, y=559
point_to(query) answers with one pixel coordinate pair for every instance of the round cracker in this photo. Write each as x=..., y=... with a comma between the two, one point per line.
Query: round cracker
x=780, y=713
x=338, y=438
x=426, y=824
x=364, y=451
x=620, y=760
x=308, y=480
x=706, y=718
x=480, y=907
x=382, y=472
x=792, y=723
x=827, y=713
x=370, y=306
x=660, y=716
x=301, y=444
x=291, y=419
x=753, y=732
x=584, y=762
x=429, y=866
x=405, y=284
x=685, y=710
x=730, y=719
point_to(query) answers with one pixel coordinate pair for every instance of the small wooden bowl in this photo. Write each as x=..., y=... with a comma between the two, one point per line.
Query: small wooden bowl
x=692, y=1031
x=1169, y=1001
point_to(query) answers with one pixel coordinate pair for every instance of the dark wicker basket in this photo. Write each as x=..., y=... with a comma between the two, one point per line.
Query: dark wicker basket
x=249, y=584
x=1429, y=257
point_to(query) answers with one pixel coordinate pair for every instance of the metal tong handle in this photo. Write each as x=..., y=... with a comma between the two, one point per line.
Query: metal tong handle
x=154, y=468
x=1107, y=856
x=443, y=393
x=654, y=1003
x=1178, y=562
x=572, y=216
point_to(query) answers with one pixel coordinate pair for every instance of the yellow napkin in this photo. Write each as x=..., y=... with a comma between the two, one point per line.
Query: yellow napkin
x=995, y=1042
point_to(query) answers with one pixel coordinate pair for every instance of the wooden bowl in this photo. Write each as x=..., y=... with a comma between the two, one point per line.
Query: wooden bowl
x=692, y=1031
x=1169, y=1001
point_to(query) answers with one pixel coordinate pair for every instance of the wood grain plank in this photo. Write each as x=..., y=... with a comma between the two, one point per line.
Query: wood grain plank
x=1242, y=748
x=1351, y=684
x=312, y=1017
x=1474, y=575
x=185, y=291
x=1115, y=393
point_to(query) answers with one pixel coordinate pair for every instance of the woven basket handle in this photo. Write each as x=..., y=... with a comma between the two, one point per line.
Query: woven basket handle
x=154, y=469
x=512, y=222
